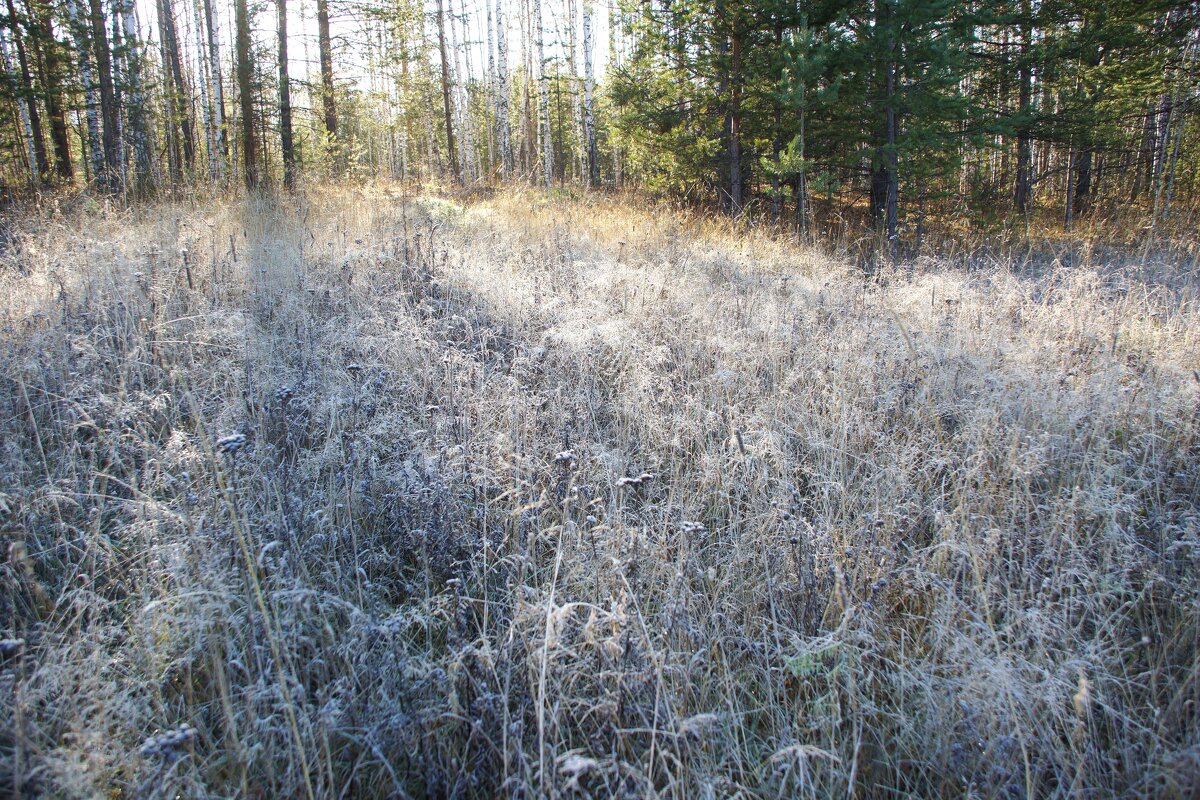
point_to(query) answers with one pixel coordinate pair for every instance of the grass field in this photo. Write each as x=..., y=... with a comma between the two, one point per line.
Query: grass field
x=363, y=494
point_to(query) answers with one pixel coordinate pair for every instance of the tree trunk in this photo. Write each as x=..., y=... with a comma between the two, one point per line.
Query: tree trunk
x=578, y=135
x=171, y=100
x=22, y=107
x=491, y=106
x=729, y=45
x=1082, y=199
x=241, y=17
x=135, y=93
x=1069, y=205
x=206, y=104
x=528, y=119
x=117, y=51
x=285, y=102
x=801, y=189
x=589, y=89
x=1023, y=183
x=109, y=113
x=459, y=79
x=1143, y=162
x=90, y=92
x=51, y=74
x=893, y=156
x=504, y=131
x=218, y=90
x=543, y=96
x=446, y=89
x=179, y=91
x=614, y=58
x=736, y=198
x=325, y=45
x=777, y=142
x=885, y=200
x=1173, y=160
x=41, y=163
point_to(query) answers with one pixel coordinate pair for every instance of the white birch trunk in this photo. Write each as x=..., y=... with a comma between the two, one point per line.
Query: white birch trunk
x=503, y=130
x=490, y=106
x=135, y=93
x=120, y=73
x=468, y=119
x=615, y=61
x=527, y=125
x=466, y=144
x=218, y=93
x=204, y=78
x=90, y=91
x=589, y=89
x=577, y=132
x=543, y=96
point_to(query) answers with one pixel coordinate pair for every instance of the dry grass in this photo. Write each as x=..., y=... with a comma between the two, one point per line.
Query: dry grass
x=553, y=497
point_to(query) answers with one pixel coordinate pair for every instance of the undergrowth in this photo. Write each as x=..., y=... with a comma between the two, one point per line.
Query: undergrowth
x=360, y=494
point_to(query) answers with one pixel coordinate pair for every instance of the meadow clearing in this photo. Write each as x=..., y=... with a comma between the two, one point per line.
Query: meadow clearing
x=363, y=492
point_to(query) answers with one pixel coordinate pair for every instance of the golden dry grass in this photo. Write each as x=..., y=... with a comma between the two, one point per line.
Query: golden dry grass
x=546, y=496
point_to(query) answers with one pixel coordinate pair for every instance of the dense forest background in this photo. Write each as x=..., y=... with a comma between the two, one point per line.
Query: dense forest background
x=800, y=112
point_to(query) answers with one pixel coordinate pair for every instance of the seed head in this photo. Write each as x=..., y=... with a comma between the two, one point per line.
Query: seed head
x=231, y=444
x=635, y=480
x=169, y=745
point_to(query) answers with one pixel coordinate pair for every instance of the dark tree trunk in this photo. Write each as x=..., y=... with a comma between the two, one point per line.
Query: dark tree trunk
x=1023, y=184
x=885, y=195
x=1143, y=166
x=441, y=22
x=244, y=68
x=51, y=74
x=893, y=156
x=179, y=91
x=170, y=128
x=108, y=98
x=285, y=103
x=1082, y=199
x=736, y=196
x=777, y=143
x=879, y=186
x=325, y=45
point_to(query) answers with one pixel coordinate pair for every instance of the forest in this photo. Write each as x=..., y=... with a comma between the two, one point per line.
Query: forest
x=799, y=113
x=552, y=399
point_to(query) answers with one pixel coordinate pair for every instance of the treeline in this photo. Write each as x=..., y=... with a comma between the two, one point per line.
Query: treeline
x=473, y=92
x=916, y=105
x=900, y=108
